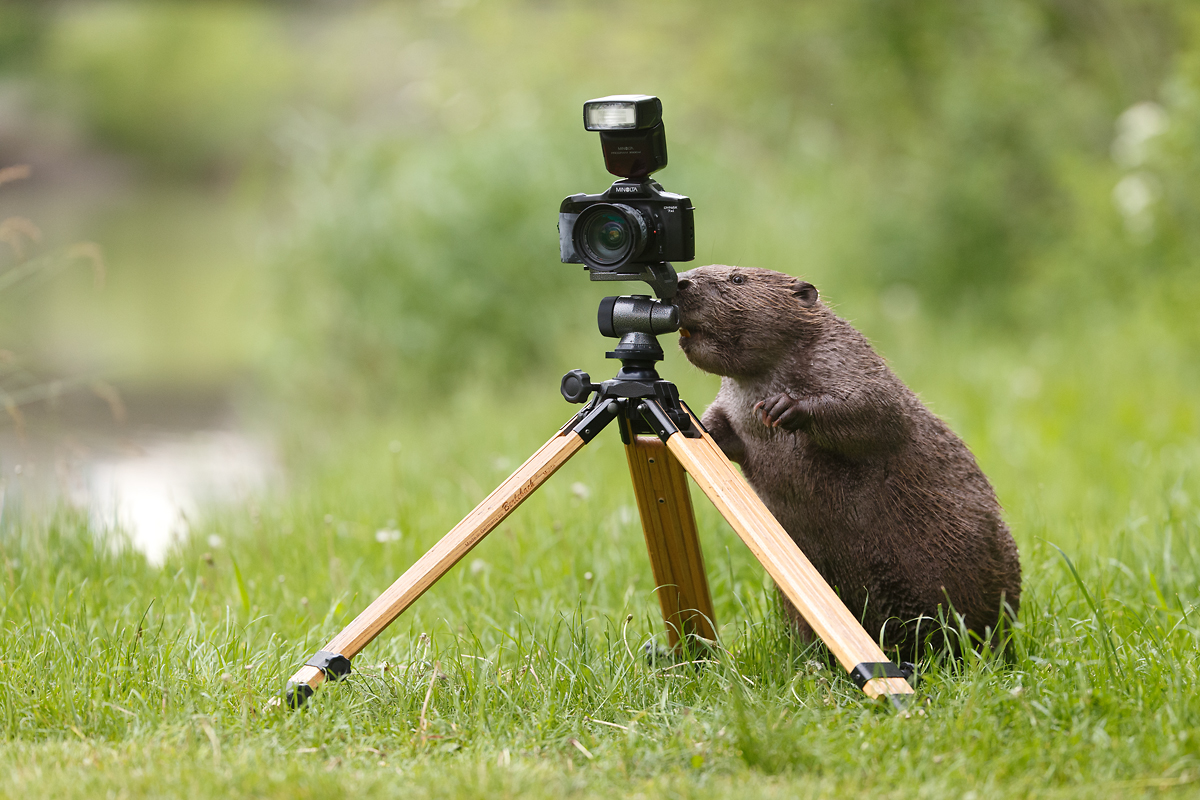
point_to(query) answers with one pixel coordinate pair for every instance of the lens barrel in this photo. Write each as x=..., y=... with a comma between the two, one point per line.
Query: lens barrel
x=609, y=235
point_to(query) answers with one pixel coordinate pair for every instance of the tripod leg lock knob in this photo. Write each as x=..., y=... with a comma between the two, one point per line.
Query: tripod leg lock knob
x=335, y=665
x=864, y=672
x=577, y=386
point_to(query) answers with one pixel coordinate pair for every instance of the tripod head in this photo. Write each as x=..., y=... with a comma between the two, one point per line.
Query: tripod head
x=636, y=320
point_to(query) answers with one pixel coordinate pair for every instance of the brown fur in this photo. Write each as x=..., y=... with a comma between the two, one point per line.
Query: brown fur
x=884, y=499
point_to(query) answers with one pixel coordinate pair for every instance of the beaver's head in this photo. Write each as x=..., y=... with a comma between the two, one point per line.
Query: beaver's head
x=740, y=321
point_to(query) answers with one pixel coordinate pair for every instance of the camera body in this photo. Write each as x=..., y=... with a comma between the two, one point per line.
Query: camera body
x=631, y=224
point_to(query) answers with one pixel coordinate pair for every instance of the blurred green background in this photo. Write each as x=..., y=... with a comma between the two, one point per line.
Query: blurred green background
x=338, y=218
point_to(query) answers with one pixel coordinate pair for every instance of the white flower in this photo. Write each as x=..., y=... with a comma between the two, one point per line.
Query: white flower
x=1133, y=196
x=384, y=535
x=1136, y=126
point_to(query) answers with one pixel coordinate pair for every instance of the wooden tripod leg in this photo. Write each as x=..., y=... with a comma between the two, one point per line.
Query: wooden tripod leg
x=795, y=575
x=670, y=527
x=442, y=556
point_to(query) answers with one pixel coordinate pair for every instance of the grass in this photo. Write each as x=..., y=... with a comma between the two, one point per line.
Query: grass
x=520, y=673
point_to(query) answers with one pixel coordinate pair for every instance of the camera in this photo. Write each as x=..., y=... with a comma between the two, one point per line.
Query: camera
x=632, y=230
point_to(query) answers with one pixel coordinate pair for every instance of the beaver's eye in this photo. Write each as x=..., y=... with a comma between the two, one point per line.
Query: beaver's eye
x=737, y=279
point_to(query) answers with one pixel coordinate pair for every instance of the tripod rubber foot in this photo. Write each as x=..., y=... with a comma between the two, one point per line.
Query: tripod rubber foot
x=334, y=666
x=297, y=694
x=868, y=671
x=656, y=655
x=693, y=648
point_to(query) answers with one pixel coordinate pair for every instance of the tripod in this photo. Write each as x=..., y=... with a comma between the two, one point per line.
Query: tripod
x=663, y=441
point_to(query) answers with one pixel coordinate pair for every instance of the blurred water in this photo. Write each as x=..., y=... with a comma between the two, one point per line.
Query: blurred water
x=154, y=495
x=151, y=483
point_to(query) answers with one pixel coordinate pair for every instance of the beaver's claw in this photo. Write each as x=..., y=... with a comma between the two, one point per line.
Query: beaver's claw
x=781, y=411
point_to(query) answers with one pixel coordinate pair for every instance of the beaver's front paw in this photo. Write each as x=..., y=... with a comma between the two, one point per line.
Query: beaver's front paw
x=782, y=411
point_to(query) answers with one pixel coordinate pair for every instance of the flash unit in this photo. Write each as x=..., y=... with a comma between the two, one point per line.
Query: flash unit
x=636, y=228
x=631, y=133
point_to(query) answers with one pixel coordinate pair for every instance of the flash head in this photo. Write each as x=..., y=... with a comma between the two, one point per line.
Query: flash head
x=631, y=133
x=622, y=112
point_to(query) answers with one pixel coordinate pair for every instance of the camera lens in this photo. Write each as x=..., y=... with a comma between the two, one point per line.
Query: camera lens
x=607, y=236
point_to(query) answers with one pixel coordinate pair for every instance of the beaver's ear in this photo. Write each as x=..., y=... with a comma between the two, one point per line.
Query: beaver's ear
x=805, y=292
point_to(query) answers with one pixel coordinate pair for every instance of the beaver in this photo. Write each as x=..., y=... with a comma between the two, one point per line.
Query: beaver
x=884, y=499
